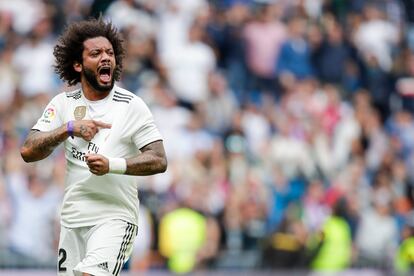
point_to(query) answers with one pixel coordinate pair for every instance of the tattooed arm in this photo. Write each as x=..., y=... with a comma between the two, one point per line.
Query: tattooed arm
x=39, y=144
x=152, y=160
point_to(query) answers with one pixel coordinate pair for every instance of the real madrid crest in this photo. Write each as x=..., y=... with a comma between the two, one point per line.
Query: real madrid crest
x=79, y=112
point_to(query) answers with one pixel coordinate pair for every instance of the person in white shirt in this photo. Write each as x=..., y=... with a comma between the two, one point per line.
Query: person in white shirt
x=109, y=135
x=189, y=66
x=375, y=37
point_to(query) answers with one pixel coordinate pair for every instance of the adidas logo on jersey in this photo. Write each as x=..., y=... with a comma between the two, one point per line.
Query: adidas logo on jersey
x=104, y=266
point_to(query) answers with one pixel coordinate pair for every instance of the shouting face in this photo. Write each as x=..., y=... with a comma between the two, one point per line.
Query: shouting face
x=98, y=64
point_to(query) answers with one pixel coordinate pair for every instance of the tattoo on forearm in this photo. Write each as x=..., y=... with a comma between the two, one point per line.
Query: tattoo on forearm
x=144, y=164
x=41, y=144
x=152, y=160
x=41, y=141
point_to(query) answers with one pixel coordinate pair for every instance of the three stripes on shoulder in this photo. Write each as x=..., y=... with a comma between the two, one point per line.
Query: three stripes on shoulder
x=118, y=96
x=121, y=97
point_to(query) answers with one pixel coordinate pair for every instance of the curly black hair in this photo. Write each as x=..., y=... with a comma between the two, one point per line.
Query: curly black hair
x=69, y=48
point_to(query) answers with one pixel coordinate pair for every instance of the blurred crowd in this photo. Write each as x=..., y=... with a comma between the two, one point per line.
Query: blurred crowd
x=288, y=126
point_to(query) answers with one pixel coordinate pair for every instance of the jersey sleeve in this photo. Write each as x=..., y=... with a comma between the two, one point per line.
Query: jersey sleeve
x=146, y=129
x=51, y=117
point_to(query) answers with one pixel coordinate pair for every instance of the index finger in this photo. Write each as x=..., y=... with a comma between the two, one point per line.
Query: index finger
x=90, y=157
x=102, y=124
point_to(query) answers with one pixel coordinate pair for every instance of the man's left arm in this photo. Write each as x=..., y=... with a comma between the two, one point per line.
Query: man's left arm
x=151, y=160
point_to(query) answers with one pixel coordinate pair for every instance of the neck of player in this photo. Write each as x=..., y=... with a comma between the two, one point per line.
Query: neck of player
x=92, y=94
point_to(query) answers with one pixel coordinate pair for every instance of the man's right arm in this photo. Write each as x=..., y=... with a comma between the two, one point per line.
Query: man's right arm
x=40, y=144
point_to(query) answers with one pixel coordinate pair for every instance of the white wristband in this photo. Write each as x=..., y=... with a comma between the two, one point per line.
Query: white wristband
x=117, y=165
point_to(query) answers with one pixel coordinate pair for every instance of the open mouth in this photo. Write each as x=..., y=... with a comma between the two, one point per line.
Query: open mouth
x=105, y=74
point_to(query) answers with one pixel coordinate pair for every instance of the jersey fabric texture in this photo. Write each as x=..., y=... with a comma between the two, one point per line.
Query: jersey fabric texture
x=90, y=199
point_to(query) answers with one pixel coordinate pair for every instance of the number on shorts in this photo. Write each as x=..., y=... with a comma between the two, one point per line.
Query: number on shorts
x=62, y=259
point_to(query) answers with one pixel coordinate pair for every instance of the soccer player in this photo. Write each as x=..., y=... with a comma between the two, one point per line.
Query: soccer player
x=109, y=136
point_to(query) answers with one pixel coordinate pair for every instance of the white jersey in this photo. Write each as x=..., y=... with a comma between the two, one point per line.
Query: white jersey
x=90, y=199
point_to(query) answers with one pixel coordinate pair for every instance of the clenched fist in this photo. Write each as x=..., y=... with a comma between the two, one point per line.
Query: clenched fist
x=98, y=164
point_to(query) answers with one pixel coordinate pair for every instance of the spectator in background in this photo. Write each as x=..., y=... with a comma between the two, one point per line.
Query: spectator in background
x=404, y=82
x=5, y=216
x=173, y=29
x=191, y=9
x=194, y=139
x=288, y=153
x=188, y=68
x=335, y=248
x=252, y=206
x=401, y=186
x=175, y=20
x=409, y=26
x=237, y=150
x=315, y=209
x=332, y=55
x=375, y=140
x=375, y=38
x=286, y=247
x=36, y=75
x=345, y=132
x=220, y=105
x=295, y=56
x=284, y=191
x=8, y=79
x=125, y=14
x=377, y=234
x=5, y=26
x=35, y=200
x=378, y=82
x=187, y=239
x=264, y=37
x=24, y=14
x=257, y=129
x=313, y=8
x=403, y=261
x=227, y=37
x=400, y=127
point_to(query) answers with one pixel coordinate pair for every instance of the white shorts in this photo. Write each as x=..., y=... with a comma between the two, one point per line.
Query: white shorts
x=98, y=250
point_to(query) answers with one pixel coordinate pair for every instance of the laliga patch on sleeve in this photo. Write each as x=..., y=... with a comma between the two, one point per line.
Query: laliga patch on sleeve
x=49, y=114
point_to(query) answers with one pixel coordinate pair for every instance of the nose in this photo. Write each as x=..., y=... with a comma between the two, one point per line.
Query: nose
x=105, y=56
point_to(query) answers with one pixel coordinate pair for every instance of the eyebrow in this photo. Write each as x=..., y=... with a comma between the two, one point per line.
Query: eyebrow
x=99, y=49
